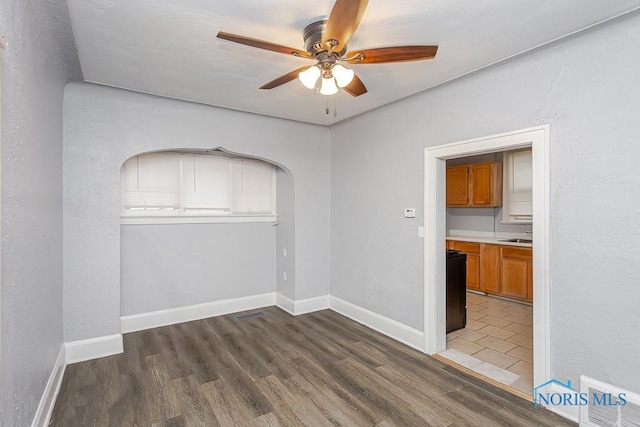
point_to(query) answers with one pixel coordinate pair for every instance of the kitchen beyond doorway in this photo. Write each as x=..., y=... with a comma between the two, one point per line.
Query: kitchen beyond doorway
x=497, y=341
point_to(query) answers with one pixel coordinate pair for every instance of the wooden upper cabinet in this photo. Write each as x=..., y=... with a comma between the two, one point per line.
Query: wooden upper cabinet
x=458, y=186
x=475, y=185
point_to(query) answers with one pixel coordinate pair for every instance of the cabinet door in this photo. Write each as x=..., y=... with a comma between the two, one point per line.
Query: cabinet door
x=457, y=186
x=473, y=271
x=481, y=190
x=490, y=268
x=514, y=278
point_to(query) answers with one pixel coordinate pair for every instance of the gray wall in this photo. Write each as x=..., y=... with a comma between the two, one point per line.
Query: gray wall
x=105, y=126
x=169, y=266
x=586, y=88
x=39, y=60
x=481, y=219
x=285, y=235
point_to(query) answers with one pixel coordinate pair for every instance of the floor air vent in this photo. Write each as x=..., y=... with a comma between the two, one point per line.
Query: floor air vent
x=608, y=405
x=250, y=315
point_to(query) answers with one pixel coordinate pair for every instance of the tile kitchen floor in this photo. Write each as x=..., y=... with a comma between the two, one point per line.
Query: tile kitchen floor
x=497, y=341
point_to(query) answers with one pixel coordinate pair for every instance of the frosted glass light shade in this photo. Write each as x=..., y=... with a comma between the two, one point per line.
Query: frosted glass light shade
x=342, y=74
x=328, y=86
x=309, y=77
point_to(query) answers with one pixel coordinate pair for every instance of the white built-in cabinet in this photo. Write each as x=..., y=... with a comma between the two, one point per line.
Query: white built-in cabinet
x=517, y=204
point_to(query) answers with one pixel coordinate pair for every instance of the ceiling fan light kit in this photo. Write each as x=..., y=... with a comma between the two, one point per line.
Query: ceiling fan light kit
x=310, y=76
x=326, y=43
x=342, y=74
x=328, y=86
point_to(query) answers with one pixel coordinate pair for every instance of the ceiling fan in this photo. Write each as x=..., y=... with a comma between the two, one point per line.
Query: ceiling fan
x=326, y=44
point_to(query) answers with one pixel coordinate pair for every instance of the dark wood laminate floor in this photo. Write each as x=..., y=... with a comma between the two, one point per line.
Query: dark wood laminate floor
x=319, y=369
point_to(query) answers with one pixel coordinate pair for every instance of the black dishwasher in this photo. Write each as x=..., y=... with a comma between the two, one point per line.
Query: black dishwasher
x=456, y=290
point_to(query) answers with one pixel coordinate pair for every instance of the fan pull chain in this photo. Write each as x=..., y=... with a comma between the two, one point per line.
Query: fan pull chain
x=327, y=108
x=335, y=108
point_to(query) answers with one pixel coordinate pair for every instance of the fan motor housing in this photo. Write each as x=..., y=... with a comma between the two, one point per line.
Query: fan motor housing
x=312, y=35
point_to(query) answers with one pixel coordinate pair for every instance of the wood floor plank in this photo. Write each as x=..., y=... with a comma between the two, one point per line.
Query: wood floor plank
x=294, y=408
x=193, y=405
x=228, y=407
x=318, y=369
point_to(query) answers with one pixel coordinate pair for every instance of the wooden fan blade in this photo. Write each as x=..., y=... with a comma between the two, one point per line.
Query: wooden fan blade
x=343, y=22
x=393, y=54
x=292, y=75
x=261, y=44
x=356, y=87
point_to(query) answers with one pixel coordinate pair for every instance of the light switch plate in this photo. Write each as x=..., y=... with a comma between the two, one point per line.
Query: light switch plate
x=409, y=212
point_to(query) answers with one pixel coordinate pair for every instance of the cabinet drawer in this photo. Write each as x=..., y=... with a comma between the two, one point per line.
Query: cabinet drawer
x=467, y=247
x=516, y=253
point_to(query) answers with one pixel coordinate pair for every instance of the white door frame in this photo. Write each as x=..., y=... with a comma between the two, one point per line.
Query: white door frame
x=435, y=230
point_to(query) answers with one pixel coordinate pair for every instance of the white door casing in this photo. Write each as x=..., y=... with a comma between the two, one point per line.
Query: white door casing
x=435, y=230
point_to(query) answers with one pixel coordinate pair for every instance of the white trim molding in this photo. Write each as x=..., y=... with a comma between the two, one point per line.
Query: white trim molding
x=571, y=412
x=194, y=219
x=389, y=327
x=310, y=305
x=154, y=319
x=93, y=348
x=51, y=390
x=304, y=306
x=285, y=303
x=538, y=139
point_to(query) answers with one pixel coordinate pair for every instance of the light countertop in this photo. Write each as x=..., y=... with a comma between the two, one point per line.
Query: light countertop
x=489, y=239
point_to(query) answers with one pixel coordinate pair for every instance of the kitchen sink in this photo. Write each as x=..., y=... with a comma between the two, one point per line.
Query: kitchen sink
x=517, y=240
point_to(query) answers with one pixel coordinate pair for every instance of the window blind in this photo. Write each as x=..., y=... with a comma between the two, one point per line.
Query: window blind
x=206, y=182
x=251, y=186
x=152, y=181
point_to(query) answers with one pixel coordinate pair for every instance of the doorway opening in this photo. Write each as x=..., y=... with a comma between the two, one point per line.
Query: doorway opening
x=435, y=233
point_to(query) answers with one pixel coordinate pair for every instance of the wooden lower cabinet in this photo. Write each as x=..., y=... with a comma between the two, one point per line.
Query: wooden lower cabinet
x=498, y=270
x=490, y=268
x=473, y=261
x=516, y=272
x=473, y=272
x=514, y=278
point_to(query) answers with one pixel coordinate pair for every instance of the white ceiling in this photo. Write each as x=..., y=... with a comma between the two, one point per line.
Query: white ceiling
x=169, y=47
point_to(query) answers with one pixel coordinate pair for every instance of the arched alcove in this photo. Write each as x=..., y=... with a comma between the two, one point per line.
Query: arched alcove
x=95, y=149
x=167, y=267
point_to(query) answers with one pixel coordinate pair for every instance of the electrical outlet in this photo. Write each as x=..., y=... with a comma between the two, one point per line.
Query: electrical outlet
x=284, y=252
x=409, y=212
x=284, y=275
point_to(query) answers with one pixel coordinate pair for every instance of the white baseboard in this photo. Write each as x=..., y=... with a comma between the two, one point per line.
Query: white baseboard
x=310, y=305
x=154, y=319
x=93, y=348
x=304, y=306
x=51, y=390
x=286, y=303
x=571, y=412
x=389, y=327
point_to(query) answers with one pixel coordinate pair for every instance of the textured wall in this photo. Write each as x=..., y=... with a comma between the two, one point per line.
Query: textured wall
x=481, y=219
x=169, y=266
x=586, y=87
x=285, y=235
x=105, y=126
x=39, y=60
